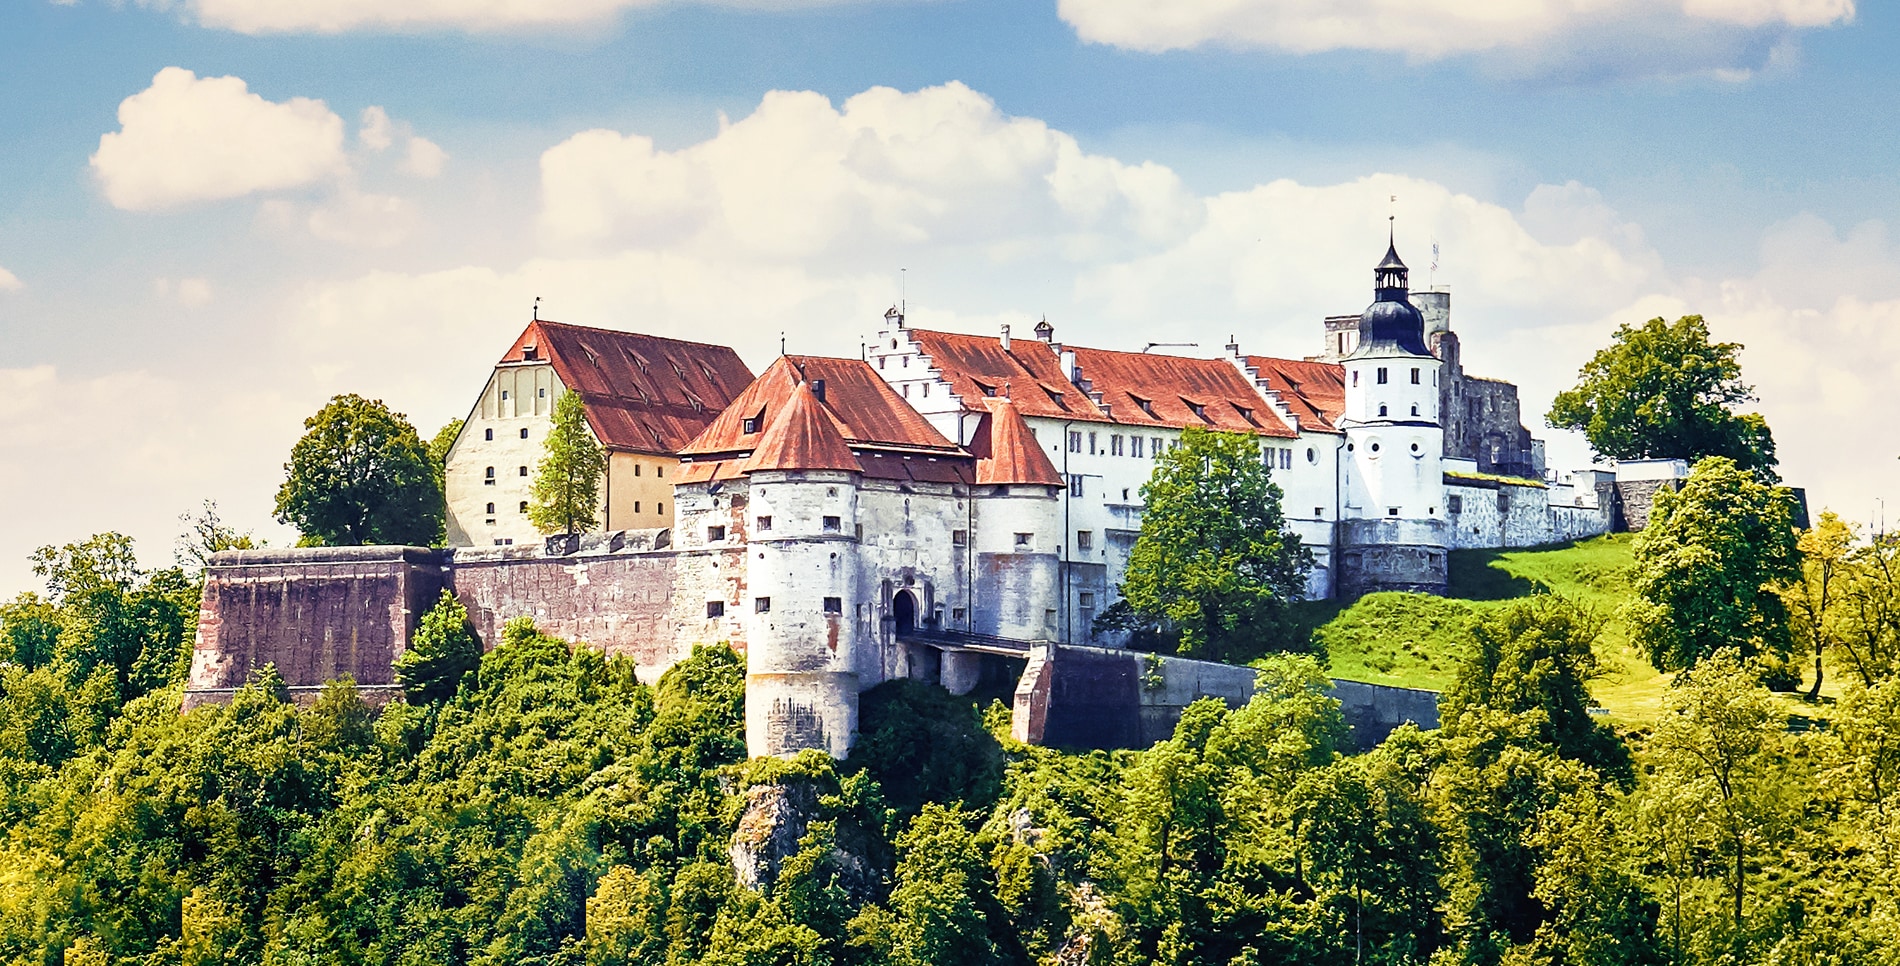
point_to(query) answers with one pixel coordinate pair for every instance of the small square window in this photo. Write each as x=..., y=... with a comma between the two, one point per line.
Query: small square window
x=715, y=534
x=524, y=432
x=659, y=471
x=491, y=509
x=1392, y=511
x=524, y=471
x=1022, y=540
x=761, y=605
x=1084, y=540
x=715, y=608
x=956, y=614
x=764, y=523
x=1320, y=512
x=504, y=395
x=543, y=393
x=959, y=537
x=524, y=506
x=833, y=524
x=1455, y=503
x=488, y=434
x=834, y=605
x=750, y=424
x=1087, y=599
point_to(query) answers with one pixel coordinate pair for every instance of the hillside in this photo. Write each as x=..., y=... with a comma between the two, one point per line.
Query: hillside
x=1416, y=641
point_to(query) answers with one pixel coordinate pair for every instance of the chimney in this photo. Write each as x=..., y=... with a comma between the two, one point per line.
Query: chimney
x=1005, y=339
x=1069, y=368
x=818, y=389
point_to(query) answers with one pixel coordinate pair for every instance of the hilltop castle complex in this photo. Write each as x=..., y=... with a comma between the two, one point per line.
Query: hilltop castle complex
x=949, y=506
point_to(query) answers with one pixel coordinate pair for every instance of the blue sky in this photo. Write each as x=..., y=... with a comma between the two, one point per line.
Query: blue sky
x=216, y=213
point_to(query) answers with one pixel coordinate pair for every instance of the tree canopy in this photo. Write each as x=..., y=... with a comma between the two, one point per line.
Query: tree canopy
x=360, y=475
x=1710, y=566
x=566, y=495
x=1664, y=391
x=1214, y=560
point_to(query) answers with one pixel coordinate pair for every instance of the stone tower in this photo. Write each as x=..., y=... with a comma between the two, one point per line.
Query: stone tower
x=802, y=672
x=1392, y=528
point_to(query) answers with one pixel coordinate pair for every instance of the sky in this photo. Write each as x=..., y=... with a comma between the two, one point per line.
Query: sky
x=217, y=214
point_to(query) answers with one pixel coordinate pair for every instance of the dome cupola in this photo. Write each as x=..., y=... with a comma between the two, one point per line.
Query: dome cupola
x=1391, y=323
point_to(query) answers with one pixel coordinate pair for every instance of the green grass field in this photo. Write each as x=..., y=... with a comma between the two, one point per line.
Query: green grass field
x=1416, y=641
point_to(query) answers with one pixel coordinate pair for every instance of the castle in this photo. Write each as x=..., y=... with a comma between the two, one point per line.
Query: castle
x=946, y=507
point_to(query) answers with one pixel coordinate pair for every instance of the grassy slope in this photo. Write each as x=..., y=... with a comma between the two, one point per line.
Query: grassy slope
x=1414, y=641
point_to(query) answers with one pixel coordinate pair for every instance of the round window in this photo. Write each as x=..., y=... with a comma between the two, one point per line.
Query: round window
x=1414, y=447
x=1312, y=455
x=1374, y=447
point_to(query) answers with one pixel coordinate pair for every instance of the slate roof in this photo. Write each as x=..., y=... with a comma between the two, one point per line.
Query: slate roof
x=978, y=367
x=644, y=393
x=1314, y=391
x=1006, y=451
x=779, y=422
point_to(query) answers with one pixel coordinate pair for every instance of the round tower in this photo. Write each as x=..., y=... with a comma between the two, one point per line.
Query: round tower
x=1392, y=528
x=802, y=641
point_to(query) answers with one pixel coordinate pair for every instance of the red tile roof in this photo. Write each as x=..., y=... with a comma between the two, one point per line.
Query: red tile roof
x=1006, y=451
x=1314, y=391
x=1140, y=389
x=1029, y=372
x=801, y=437
x=886, y=438
x=644, y=393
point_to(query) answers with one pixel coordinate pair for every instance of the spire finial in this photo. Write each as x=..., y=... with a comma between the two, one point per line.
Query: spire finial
x=537, y=308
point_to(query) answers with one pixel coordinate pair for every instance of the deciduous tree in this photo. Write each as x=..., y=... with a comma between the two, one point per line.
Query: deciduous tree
x=360, y=475
x=1709, y=566
x=1214, y=559
x=1664, y=391
x=443, y=650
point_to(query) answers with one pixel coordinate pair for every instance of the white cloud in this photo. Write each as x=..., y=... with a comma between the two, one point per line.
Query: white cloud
x=187, y=139
x=10, y=282
x=376, y=131
x=186, y=291
x=938, y=167
x=1430, y=29
x=481, y=16
x=424, y=158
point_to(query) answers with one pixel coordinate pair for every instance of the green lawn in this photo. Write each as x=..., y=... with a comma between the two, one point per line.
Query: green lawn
x=1412, y=640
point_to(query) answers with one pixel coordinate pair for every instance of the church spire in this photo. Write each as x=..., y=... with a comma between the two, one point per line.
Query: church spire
x=1390, y=280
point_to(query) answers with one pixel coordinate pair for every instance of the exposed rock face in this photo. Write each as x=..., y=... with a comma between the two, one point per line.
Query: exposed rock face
x=777, y=816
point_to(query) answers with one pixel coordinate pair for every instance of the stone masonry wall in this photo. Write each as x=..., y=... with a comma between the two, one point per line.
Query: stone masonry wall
x=315, y=614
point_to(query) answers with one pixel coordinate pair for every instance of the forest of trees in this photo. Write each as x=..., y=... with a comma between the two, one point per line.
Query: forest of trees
x=540, y=805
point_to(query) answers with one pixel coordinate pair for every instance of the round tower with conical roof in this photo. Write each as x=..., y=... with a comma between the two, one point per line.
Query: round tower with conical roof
x=1392, y=528
x=802, y=673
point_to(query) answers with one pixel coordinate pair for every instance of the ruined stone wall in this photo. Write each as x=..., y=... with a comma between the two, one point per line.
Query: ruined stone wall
x=1483, y=418
x=316, y=614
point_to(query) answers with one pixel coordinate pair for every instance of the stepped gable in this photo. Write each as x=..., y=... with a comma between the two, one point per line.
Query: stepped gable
x=644, y=393
x=1314, y=391
x=801, y=437
x=1030, y=372
x=1006, y=451
x=887, y=438
x=1141, y=389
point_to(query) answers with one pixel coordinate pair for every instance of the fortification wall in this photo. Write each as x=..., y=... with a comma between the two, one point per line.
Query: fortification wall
x=316, y=614
x=1078, y=697
x=1487, y=514
x=1394, y=554
x=1634, y=499
x=620, y=603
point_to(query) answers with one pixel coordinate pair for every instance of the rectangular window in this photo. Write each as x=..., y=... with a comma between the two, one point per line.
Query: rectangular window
x=524, y=506
x=715, y=534
x=1392, y=511
x=1355, y=377
x=1381, y=375
x=524, y=471
x=1134, y=446
x=636, y=506
x=761, y=605
x=1414, y=375
x=491, y=509
x=715, y=608
x=636, y=469
x=488, y=477
x=834, y=605
x=1022, y=541
x=659, y=506
x=1091, y=444
x=543, y=393
x=765, y=523
x=488, y=434
x=959, y=537
x=1161, y=446
x=833, y=524
x=1455, y=503
x=504, y=395
x=1086, y=599
x=659, y=471
x=1286, y=459
x=956, y=614
x=1075, y=485
x=1085, y=540
x=1075, y=441
x=1115, y=445
x=524, y=432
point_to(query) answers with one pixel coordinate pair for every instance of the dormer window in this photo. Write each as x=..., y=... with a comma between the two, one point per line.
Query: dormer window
x=986, y=389
x=529, y=353
x=638, y=362
x=1145, y=405
x=751, y=423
